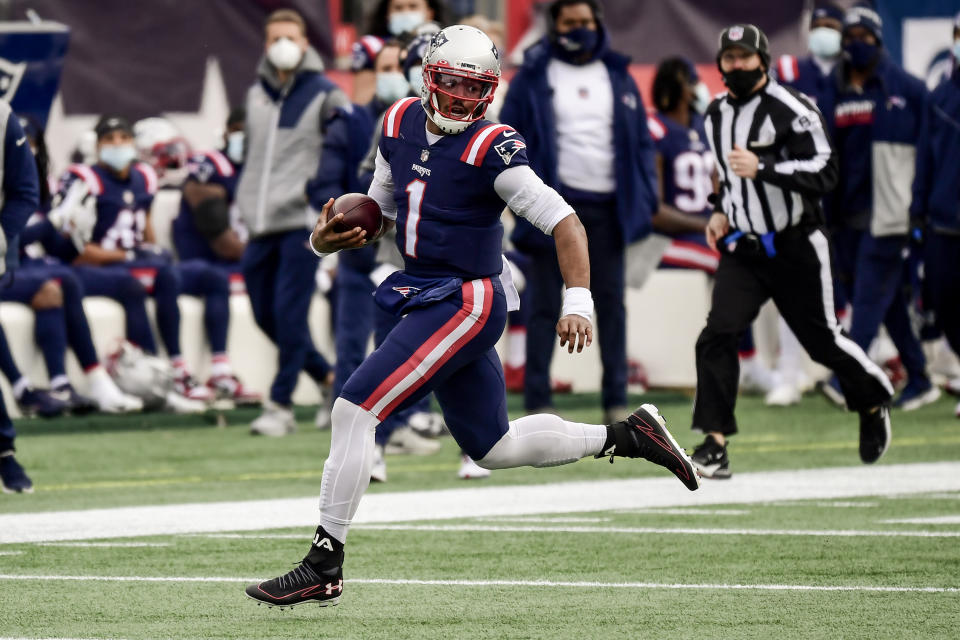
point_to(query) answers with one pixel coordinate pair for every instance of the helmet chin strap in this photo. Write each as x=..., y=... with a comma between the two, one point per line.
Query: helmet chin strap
x=447, y=125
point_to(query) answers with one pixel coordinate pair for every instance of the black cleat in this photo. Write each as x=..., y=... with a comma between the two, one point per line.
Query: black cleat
x=710, y=459
x=644, y=435
x=874, y=433
x=303, y=584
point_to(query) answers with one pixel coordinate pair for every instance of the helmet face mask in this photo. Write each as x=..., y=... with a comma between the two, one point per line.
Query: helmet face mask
x=461, y=71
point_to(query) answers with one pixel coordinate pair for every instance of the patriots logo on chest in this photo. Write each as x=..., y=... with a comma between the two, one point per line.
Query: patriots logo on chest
x=509, y=148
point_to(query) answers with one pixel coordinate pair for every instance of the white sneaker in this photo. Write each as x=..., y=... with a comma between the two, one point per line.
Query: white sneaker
x=108, y=396
x=783, y=395
x=406, y=441
x=755, y=377
x=322, y=419
x=181, y=404
x=275, y=421
x=378, y=473
x=952, y=386
x=470, y=470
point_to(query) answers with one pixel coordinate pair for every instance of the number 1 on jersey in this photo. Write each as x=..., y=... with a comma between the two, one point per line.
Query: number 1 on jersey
x=414, y=201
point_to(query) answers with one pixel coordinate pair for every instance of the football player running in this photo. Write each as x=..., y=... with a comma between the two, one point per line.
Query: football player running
x=442, y=176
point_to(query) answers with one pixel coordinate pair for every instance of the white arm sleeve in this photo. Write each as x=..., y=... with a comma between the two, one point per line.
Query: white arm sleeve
x=381, y=189
x=528, y=197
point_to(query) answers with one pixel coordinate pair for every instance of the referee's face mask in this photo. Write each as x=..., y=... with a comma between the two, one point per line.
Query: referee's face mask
x=742, y=70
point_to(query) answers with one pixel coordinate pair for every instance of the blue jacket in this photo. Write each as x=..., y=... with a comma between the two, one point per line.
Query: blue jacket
x=936, y=189
x=528, y=108
x=20, y=184
x=895, y=128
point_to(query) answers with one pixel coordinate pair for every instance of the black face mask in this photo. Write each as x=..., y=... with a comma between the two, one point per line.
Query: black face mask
x=741, y=82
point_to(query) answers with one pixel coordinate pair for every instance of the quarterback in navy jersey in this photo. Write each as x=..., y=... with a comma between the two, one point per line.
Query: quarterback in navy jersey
x=442, y=176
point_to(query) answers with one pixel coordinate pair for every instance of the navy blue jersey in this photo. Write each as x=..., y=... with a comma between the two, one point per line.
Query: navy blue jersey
x=804, y=75
x=448, y=213
x=208, y=167
x=853, y=123
x=688, y=163
x=122, y=204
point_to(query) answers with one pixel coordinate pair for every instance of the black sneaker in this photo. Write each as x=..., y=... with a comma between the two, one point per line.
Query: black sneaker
x=13, y=479
x=644, y=435
x=874, y=433
x=303, y=584
x=40, y=402
x=710, y=459
x=76, y=404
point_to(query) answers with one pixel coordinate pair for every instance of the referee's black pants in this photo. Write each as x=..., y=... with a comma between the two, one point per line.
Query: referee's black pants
x=799, y=280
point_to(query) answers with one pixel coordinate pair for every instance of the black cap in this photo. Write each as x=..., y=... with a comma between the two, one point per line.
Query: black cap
x=107, y=123
x=830, y=11
x=863, y=16
x=747, y=36
x=238, y=115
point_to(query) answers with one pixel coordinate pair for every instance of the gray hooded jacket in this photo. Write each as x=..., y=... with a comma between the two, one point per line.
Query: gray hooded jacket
x=285, y=126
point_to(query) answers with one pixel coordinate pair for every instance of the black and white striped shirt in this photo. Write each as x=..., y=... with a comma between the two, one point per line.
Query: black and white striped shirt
x=798, y=164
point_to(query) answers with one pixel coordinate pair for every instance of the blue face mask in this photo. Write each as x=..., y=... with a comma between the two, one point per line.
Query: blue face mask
x=391, y=86
x=118, y=157
x=235, y=142
x=580, y=40
x=861, y=54
x=956, y=52
x=415, y=77
x=824, y=42
x=403, y=21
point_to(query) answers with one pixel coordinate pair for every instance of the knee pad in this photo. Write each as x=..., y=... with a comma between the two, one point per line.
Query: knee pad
x=347, y=416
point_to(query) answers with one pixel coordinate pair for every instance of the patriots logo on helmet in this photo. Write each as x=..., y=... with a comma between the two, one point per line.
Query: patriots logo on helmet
x=11, y=73
x=736, y=33
x=508, y=148
x=407, y=292
x=440, y=39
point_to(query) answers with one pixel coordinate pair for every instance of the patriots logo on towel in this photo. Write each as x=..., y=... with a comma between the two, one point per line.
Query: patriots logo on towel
x=407, y=292
x=508, y=148
x=11, y=73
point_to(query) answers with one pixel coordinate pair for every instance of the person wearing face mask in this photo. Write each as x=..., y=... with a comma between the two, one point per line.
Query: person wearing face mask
x=288, y=111
x=389, y=19
x=811, y=74
x=115, y=256
x=569, y=97
x=935, y=209
x=873, y=108
x=775, y=162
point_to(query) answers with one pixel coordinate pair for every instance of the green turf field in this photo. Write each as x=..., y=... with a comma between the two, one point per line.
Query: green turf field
x=790, y=568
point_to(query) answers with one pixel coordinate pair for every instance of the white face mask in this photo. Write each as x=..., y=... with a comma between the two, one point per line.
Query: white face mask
x=235, y=142
x=825, y=42
x=391, y=86
x=403, y=21
x=701, y=98
x=415, y=77
x=956, y=51
x=284, y=54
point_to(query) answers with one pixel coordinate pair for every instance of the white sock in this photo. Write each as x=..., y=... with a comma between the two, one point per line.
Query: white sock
x=20, y=386
x=517, y=347
x=59, y=381
x=346, y=473
x=220, y=365
x=544, y=440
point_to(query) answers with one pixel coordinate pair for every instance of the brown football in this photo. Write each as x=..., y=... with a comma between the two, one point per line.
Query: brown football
x=358, y=210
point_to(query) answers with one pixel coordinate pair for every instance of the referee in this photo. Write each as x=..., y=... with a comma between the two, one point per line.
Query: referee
x=775, y=162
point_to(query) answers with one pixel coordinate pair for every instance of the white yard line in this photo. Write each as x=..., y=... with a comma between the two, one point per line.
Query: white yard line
x=932, y=520
x=687, y=512
x=509, y=583
x=412, y=506
x=696, y=531
x=547, y=520
x=104, y=544
x=11, y=553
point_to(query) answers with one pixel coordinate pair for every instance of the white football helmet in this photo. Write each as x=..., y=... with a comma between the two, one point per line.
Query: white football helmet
x=463, y=64
x=141, y=375
x=162, y=146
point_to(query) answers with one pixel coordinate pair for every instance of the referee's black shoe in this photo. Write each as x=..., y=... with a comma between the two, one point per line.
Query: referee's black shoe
x=711, y=460
x=874, y=433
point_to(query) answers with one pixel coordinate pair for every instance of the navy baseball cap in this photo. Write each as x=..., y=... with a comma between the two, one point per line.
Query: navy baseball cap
x=866, y=17
x=108, y=123
x=827, y=11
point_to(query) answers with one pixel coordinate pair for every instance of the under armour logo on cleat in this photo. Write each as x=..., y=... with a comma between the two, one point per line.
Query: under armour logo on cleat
x=335, y=587
x=322, y=542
